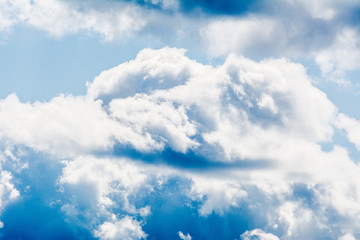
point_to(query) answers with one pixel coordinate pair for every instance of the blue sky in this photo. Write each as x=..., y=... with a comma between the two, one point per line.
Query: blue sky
x=179, y=119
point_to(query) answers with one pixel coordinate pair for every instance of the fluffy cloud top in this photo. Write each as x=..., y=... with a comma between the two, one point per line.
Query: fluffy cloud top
x=264, y=97
x=125, y=228
x=149, y=71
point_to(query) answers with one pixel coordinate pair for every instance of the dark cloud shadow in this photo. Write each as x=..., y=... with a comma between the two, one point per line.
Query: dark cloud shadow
x=190, y=160
x=214, y=7
x=224, y=7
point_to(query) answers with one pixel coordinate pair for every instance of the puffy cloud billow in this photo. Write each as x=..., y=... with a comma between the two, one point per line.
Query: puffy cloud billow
x=247, y=145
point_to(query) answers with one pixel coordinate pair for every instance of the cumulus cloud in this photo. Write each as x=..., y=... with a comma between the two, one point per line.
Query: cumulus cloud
x=278, y=82
x=61, y=126
x=243, y=110
x=125, y=228
x=267, y=110
x=266, y=113
x=264, y=96
x=252, y=110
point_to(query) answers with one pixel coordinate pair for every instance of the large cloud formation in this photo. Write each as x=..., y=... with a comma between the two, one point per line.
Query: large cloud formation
x=166, y=147
x=263, y=122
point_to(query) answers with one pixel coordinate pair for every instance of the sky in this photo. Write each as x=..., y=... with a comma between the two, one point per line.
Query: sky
x=180, y=119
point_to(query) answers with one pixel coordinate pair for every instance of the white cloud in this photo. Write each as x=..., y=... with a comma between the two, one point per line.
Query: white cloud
x=347, y=237
x=326, y=10
x=101, y=190
x=8, y=192
x=67, y=125
x=60, y=126
x=100, y=185
x=267, y=102
x=216, y=195
x=343, y=55
x=252, y=110
x=351, y=127
x=92, y=181
x=258, y=234
x=8, y=14
x=245, y=110
x=236, y=102
x=229, y=102
x=294, y=217
x=322, y=9
x=149, y=71
x=183, y=236
x=161, y=120
x=267, y=35
x=123, y=229
x=227, y=105
x=59, y=18
x=242, y=35
x=322, y=31
x=298, y=109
